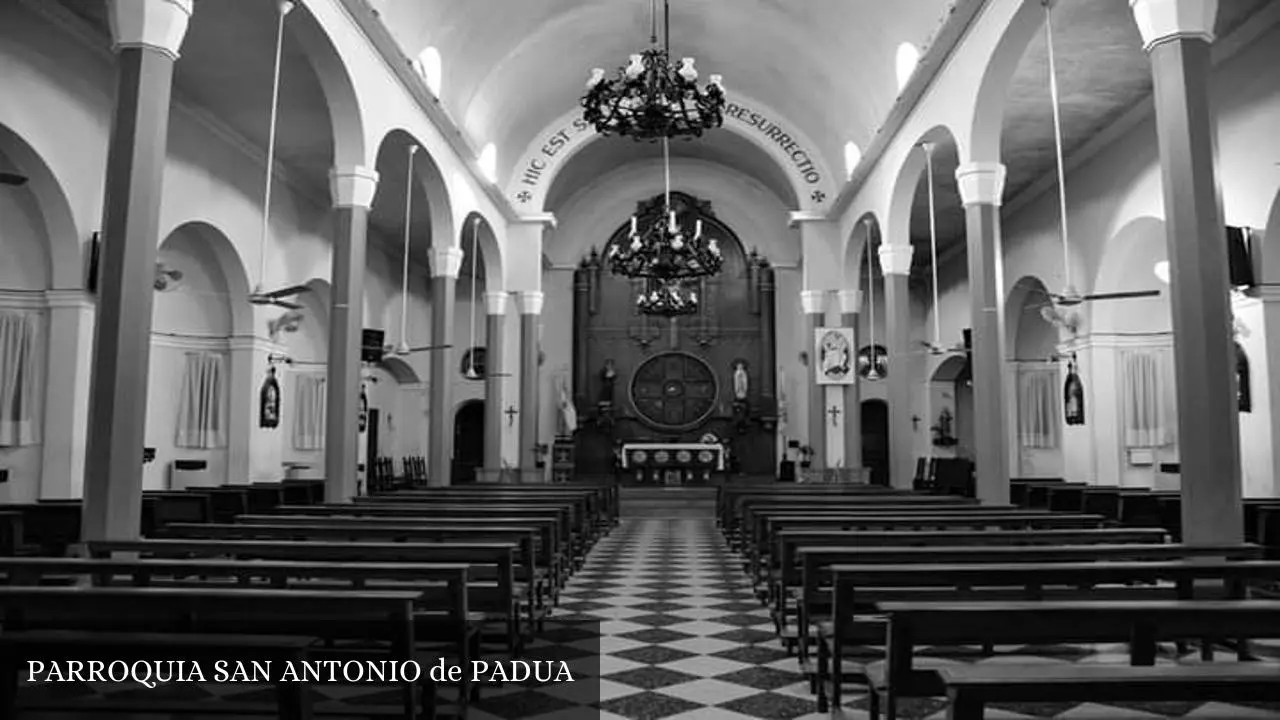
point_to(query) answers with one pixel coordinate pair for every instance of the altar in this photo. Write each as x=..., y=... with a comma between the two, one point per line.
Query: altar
x=671, y=463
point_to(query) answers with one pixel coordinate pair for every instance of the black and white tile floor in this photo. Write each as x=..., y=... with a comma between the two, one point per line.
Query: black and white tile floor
x=683, y=638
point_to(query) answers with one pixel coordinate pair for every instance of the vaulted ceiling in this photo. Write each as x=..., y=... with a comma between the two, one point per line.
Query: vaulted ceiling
x=511, y=67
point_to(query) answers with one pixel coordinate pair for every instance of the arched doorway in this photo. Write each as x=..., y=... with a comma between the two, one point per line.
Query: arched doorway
x=875, y=440
x=468, y=441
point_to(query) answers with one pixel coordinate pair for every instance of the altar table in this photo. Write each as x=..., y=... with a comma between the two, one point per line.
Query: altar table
x=672, y=463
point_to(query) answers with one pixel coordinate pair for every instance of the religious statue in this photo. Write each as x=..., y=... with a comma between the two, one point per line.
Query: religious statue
x=608, y=377
x=1073, y=396
x=269, y=401
x=741, y=382
x=568, y=413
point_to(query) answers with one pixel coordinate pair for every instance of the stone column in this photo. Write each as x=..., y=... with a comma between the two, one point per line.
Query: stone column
x=146, y=35
x=353, y=189
x=445, y=263
x=530, y=386
x=850, y=306
x=1178, y=35
x=895, y=264
x=981, y=187
x=496, y=307
x=814, y=305
x=66, y=401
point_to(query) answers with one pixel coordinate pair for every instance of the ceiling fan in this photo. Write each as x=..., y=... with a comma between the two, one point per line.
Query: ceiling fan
x=276, y=297
x=1070, y=296
x=13, y=179
x=1055, y=315
x=935, y=348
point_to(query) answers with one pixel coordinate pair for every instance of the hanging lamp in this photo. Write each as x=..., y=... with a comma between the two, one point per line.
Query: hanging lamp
x=873, y=351
x=935, y=347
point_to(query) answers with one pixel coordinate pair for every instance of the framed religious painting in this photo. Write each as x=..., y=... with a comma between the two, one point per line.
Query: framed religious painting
x=833, y=361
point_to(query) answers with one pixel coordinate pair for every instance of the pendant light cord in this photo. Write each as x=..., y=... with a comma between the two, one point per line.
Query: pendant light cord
x=666, y=173
x=404, y=265
x=1057, y=137
x=933, y=244
x=871, y=300
x=653, y=22
x=475, y=262
x=284, y=8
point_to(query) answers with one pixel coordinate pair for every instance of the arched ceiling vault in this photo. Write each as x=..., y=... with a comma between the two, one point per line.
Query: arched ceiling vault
x=510, y=69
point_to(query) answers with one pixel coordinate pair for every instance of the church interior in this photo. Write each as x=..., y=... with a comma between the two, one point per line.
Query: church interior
x=583, y=335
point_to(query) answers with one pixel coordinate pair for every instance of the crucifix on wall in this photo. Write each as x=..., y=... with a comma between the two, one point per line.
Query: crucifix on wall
x=511, y=415
x=834, y=412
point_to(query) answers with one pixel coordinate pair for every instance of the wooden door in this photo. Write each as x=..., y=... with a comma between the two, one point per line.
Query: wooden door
x=875, y=440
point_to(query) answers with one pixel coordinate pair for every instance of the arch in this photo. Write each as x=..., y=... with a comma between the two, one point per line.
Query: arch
x=1128, y=264
x=64, y=269
x=1028, y=336
x=991, y=100
x=340, y=93
x=401, y=371
x=432, y=222
x=866, y=232
x=490, y=271
x=230, y=266
x=812, y=183
x=950, y=369
x=908, y=183
x=1270, y=261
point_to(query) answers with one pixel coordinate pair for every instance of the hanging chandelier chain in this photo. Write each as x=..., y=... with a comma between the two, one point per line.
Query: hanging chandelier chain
x=475, y=262
x=404, y=265
x=933, y=243
x=284, y=8
x=1057, y=137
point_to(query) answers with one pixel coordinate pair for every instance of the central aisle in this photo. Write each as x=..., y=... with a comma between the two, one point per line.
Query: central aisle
x=683, y=635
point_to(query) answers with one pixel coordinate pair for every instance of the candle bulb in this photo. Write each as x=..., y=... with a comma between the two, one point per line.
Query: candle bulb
x=633, y=224
x=672, y=216
x=697, y=228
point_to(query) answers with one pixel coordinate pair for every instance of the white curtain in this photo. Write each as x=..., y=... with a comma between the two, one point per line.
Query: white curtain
x=19, y=369
x=1147, y=406
x=309, y=408
x=201, y=414
x=1038, y=416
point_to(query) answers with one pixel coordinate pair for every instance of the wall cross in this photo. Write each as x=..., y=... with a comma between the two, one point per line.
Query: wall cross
x=834, y=412
x=511, y=415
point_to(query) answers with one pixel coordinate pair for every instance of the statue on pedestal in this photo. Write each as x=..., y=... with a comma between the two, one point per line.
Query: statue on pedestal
x=741, y=383
x=608, y=378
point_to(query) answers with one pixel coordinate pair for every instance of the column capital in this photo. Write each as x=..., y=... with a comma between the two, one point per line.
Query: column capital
x=445, y=261
x=895, y=258
x=531, y=302
x=353, y=186
x=850, y=301
x=981, y=183
x=1160, y=21
x=813, y=301
x=157, y=24
x=544, y=219
x=496, y=303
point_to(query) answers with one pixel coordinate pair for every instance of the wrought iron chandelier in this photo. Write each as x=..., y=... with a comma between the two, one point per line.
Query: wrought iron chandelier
x=652, y=97
x=668, y=298
x=658, y=248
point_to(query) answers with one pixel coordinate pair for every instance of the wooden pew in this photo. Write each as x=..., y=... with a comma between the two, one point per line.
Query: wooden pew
x=569, y=530
x=821, y=564
x=1142, y=623
x=971, y=688
x=786, y=570
x=48, y=621
x=493, y=599
x=548, y=558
